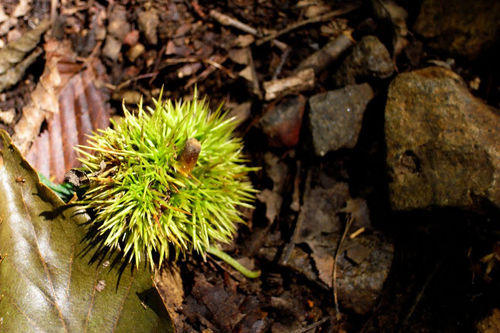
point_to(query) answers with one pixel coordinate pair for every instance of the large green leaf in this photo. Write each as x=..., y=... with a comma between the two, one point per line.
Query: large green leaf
x=48, y=282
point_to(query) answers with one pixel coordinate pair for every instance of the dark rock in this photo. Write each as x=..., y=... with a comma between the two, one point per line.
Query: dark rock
x=335, y=117
x=369, y=58
x=466, y=28
x=359, y=284
x=282, y=123
x=443, y=145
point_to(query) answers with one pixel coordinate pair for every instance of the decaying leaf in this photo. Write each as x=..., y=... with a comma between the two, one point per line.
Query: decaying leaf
x=14, y=60
x=15, y=74
x=16, y=51
x=48, y=280
x=44, y=99
x=73, y=105
x=168, y=282
x=273, y=203
x=82, y=109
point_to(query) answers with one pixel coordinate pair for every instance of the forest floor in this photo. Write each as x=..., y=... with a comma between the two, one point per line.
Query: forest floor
x=334, y=255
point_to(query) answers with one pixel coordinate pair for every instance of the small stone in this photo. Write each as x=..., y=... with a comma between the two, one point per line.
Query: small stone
x=135, y=52
x=368, y=59
x=282, y=123
x=112, y=48
x=335, y=117
x=316, y=10
x=118, y=25
x=128, y=96
x=442, y=142
x=131, y=38
x=148, y=23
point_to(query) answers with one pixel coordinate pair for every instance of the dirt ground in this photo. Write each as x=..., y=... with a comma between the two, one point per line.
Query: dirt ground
x=441, y=273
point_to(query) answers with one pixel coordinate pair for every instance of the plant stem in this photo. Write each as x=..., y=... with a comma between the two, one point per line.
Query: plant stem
x=232, y=262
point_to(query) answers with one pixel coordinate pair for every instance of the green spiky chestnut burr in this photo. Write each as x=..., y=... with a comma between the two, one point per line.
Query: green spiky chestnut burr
x=168, y=179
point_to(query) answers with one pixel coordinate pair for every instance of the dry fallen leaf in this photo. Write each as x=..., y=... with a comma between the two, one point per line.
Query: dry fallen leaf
x=72, y=104
x=16, y=51
x=168, y=282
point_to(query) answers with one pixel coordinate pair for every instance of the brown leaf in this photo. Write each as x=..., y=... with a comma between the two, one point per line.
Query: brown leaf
x=82, y=108
x=168, y=282
x=15, y=52
x=44, y=98
x=273, y=203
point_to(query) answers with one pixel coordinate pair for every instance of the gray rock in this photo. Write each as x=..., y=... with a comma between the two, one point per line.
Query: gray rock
x=443, y=145
x=335, y=117
x=368, y=58
x=464, y=28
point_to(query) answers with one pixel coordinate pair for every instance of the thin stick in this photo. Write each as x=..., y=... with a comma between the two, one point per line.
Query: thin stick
x=140, y=77
x=170, y=62
x=337, y=254
x=229, y=21
x=284, y=57
x=232, y=22
x=300, y=24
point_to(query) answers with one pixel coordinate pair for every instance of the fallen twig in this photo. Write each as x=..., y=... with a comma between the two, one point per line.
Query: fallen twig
x=170, y=62
x=126, y=83
x=197, y=9
x=303, y=23
x=303, y=80
x=215, y=63
x=232, y=22
x=229, y=21
x=320, y=60
x=284, y=56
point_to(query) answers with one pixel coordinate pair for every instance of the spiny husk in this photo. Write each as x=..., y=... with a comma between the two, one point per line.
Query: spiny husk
x=144, y=202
